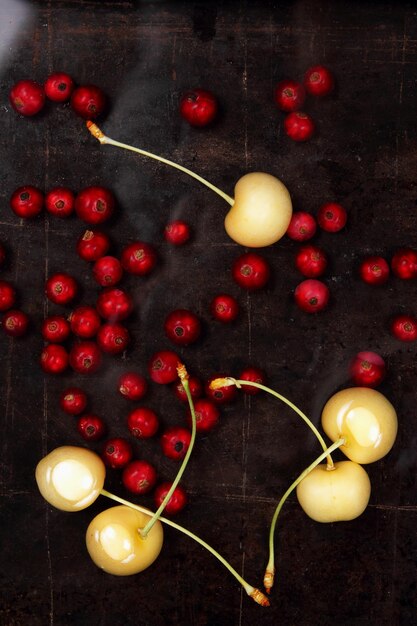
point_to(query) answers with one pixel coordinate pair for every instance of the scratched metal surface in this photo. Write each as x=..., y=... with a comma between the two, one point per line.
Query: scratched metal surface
x=144, y=55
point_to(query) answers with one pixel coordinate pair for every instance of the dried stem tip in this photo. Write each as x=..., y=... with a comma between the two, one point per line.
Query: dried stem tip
x=269, y=579
x=182, y=372
x=217, y=383
x=259, y=597
x=95, y=131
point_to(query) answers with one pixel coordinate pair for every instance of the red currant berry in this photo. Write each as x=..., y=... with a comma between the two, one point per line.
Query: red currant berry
x=133, y=386
x=15, y=323
x=73, y=401
x=60, y=202
x=253, y=375
x=85, y=357
x=367, y=369
x=177, y=232
x=319, y=81
x=207, y=415
x=311, y=261
x=58, y=87
x=251, y=271
x=311, y=295
x=404, y=263
x=138, y=258
x=302, y=226
x=195, y=386
x=139, y=477
x=374, y=270
x=92, y=245
x=177, y=501
x=88, y=101
x=27, y=201
x=114, y=304
x=85, y=322
x=182, y=327
x=331, y=217
x=7, y=295
x=91, y=427
x=143, y=423
x=113, y=338
x=95, y=205
x=220, y=395
x=27, y=97
x=289, y=95
x=224, y=308
x=175, y=442
x=61, y=288
x=198, y=107
x=299, y=126
x=107, y=271
x=54, y=359
x=117, y=453
x=55, y=329
x=162, y=367
x=404, y=327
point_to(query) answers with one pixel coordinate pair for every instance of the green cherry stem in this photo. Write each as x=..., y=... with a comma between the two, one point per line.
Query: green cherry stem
x=182, y=373
x=270, y=568
x=103, y=139
x=254, y=593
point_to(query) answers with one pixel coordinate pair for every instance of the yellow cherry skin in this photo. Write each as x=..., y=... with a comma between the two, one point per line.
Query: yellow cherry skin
x=339, y=494
x=261, y=212
x=365, y=419
x=115, y=545
x=70, y=478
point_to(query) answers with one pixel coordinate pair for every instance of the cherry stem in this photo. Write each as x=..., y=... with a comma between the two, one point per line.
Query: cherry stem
x=103, y=139
x=253, y=592
x=270, y=568
x=221, y=382
x=182, y=373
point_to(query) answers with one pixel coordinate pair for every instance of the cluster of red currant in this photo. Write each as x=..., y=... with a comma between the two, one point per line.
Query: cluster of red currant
x=14, y=322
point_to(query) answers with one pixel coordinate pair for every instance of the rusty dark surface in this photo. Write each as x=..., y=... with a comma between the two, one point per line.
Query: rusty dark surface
x=144, y=55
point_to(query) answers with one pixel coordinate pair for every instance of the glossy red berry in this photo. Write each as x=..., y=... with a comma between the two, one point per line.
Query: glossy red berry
x=7, y=295
x=311, y=261
x=253, y=375
x=207, y=415
x=299, y=126
x=61, y=288
x=85, y=357
x=198, y=107
x=374, y=270
x=117, y=453
x=175, y=442
x=177, y=232
x=27, y=97
x=58, y=87
x=73, y=401
x=224, y=308
x=113, y=338
x=182, y=327
x=92, y=245
x=289, y=95
x=133, y=386
x=404, y=263
x=55, y=329
x=85, y=322
x=219, y=395
x=114, y=304
x=367, y=369
x=60, y=202
x=302, y=226
x=91, y=427
x=311, y=295
x=177, y=501
x=251, y=271
x=139, y=258
x=139, y=477
x=95, y=205
x=162, y=367
x=143, y=422
x=15, y=323
x=27, y=201
x=319, y=81
x=88, y=101
x=404, y=327
x=331, y=217
x=107, y=271
x=54, y=359
x=195, y=386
